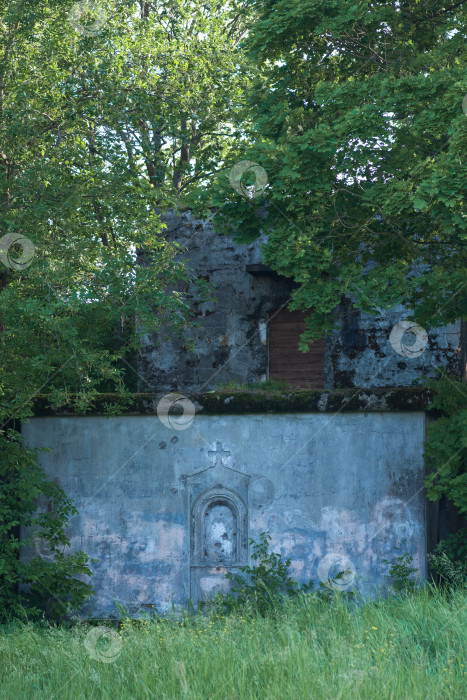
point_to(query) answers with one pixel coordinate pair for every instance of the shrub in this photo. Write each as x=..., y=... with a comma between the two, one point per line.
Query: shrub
x=446, y=451
x=263, y=586
x=38, y=585
x=448, y=573
x=401, y=574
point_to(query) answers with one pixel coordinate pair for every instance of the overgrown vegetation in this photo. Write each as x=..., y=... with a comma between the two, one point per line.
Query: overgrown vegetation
x=264, y=585
x=359, y=128
x=448, y=571
x=446, y=454
x=269, y=638
x=402, y=647
x=269, y=385
x=36, y=585
x=100, y=132
x=401, y=574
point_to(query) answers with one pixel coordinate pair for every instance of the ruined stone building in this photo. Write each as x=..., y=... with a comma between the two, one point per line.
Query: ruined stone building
x=248, y=335
x=331, y=465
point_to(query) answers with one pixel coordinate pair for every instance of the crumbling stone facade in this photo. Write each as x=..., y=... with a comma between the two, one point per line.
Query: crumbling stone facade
x=231, y=340
x=335, y=475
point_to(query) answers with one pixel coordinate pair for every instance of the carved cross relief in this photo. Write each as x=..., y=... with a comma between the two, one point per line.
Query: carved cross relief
x=218, y=524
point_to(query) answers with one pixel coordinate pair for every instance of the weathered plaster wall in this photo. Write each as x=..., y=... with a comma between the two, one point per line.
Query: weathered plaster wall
x=230, y=343
x=360, y=354
x=348, y=484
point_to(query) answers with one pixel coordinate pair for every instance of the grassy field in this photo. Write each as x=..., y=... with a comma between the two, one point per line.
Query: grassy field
x=398, y=648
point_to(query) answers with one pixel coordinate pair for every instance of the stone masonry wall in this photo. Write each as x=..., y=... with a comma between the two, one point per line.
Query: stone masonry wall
x=231, y=344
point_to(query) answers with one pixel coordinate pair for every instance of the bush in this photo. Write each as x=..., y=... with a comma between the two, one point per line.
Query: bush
x=39, y=585
x=263, y=586
x=401, y=574
x=446, y=451
x=447, y=572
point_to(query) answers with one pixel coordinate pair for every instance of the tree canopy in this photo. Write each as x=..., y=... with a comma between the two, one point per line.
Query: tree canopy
x=351, y=117
x=360, y=128
x=109, y=114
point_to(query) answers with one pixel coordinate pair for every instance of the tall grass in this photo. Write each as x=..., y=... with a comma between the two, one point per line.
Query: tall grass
x=405, y=647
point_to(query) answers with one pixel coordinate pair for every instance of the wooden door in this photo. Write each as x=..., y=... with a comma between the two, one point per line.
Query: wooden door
x=286, y=362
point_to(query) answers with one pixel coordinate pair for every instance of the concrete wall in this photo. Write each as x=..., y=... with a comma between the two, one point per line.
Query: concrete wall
x=230, y=343
x=335, y=491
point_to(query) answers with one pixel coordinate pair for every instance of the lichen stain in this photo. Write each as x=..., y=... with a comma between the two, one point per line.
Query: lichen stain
x=218, y=570
x=213, y=584
x=163, y=591
x=259, y=522
x=341, y=526
x=317, y=551
x=392, y=522
x=288, y=541
x=89, y=528
x=297, y=567
x=168, y=539
x=146, y=541
x=391, y=525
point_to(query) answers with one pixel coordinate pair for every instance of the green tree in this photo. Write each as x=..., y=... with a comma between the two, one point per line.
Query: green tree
x=109, y=114
x=359, y=125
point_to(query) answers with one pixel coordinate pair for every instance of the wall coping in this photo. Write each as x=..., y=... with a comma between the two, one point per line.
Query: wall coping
x=392, y=399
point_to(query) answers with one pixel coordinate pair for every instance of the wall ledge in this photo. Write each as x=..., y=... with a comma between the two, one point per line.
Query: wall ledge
x=390, y=399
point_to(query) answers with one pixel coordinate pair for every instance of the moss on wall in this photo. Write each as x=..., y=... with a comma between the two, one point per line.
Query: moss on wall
x=254, y=401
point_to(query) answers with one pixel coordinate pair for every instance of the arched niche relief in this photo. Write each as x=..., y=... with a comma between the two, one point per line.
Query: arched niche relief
x=218, y=517
x=219, y=529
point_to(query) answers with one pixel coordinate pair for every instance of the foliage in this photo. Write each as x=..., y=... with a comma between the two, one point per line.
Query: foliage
x=401, y=574
x=412, y=645
x=359, y=125
x=449, y=573
x=263, y=585
x=446, y=449
x=268, y=385
x=100, y=132
x=455, y=546
x=47, y=584
x=85, y=170
x=271, y=385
